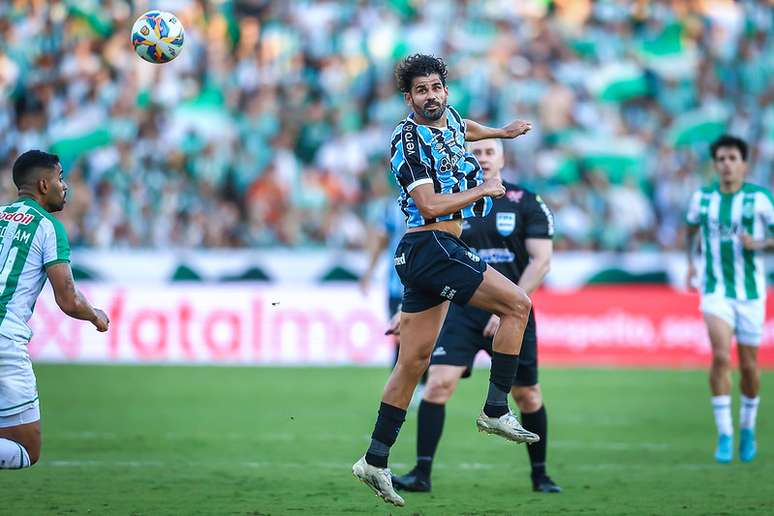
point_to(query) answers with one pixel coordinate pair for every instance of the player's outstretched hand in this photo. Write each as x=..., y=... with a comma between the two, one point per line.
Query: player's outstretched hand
x=101, y=322
x=517, y=128
x=493, y=187
x=491, y=326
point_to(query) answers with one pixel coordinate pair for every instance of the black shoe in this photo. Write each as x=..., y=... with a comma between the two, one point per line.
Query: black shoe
x=412, y=481
x=543, y=484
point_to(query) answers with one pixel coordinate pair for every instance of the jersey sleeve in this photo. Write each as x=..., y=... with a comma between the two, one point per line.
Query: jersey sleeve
x=539, y=220
x=460, y=121
x=692, y=217
x=767, y=211
x=408, y=164
x=56, y=247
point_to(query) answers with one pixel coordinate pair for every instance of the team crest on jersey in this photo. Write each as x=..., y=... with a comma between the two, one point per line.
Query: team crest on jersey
x=515, y=195
x=505, y=222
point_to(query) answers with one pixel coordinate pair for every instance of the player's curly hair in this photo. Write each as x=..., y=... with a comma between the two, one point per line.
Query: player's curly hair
x=418, y=65
x=727, y=140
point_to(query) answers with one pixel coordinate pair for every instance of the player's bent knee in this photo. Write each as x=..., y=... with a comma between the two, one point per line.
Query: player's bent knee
x=439, y=390
x=518, y=305
x=721, y=362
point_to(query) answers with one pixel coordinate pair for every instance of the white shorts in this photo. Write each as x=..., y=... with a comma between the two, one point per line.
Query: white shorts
x=29, y=415
x=746, y=317
x=18, y=388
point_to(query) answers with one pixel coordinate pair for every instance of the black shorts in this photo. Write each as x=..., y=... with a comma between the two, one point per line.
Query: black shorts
x=461, y=338
x=436, y=266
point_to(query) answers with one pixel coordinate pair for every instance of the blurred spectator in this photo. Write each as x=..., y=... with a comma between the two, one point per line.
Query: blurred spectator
x=272, y=126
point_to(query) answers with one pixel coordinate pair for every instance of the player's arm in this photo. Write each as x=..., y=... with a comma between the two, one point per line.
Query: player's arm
x=414, y=173
x=432, y=205
x=70, y=300
x=757, y=245
x=475, y=131
x=690, y=251
x=540, y=251
x=376, y=246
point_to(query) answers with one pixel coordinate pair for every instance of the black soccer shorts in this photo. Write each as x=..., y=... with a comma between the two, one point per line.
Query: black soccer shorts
x=461, y=338
x=435, y=266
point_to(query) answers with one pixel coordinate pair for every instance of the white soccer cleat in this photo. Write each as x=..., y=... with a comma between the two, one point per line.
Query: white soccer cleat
x=506, y=426
x=379, y=480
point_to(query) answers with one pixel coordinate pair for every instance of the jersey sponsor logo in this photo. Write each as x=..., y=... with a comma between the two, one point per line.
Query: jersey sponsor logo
x=439, y=352
x=723, y=231
x=473, y=257
x=465, y=225
x=505, y=222
x=400, y=260
x=409, y=142
x=448, y=293
x=497, y=255
x=21, y=218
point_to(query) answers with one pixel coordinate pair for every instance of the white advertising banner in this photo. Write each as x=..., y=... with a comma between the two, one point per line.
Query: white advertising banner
x=240, y=324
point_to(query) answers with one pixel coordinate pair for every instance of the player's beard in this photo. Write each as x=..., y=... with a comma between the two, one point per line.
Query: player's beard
x=433, y=115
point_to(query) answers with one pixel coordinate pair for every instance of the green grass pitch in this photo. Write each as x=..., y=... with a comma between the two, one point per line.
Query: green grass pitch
x=198, y=440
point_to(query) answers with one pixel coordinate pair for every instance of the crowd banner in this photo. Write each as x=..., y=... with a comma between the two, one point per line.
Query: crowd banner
x=259, y=324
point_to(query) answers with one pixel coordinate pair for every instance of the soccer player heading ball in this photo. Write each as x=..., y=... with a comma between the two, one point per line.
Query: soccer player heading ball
x=33, y=247
x=735, y=218
x=442, y=184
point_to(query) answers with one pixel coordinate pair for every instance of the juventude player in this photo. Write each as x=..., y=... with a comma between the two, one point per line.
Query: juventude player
x=734, y=219
x=33, y=246
x=516, y=240
x=442, y=184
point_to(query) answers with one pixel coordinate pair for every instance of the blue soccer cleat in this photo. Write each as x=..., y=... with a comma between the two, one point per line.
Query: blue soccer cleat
x=747, y=445
x=724, y=451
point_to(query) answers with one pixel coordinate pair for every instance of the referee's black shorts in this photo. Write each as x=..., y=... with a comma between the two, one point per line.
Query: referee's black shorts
x=461, y=338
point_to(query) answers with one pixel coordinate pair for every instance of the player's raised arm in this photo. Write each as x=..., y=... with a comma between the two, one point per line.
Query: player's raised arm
x=432, y=204
x=475, y=131
x=71, y=301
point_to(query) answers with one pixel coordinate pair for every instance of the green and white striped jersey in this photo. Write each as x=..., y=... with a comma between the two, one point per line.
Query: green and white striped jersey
x=31, y=240
x=729, y=269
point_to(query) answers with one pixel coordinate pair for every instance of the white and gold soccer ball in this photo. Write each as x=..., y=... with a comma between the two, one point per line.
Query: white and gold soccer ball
x=157, y=36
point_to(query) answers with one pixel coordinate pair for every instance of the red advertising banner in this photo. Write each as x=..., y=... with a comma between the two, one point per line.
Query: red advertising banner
x=628, y=326
x=326, y=325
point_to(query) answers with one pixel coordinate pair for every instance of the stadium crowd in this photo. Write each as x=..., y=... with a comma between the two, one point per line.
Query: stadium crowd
x=272, y=126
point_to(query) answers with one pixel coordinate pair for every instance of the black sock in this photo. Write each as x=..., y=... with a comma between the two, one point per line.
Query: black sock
x=537, y=422
x=429, y=428
x=386, y=430
x=501, y=376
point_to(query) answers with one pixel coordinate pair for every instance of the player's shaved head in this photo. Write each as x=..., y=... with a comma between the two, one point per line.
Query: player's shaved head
x=490, y=155
x=28, y=167
x=494, y=143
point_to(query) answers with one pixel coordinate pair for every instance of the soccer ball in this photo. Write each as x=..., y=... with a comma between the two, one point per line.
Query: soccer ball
x=157, y=36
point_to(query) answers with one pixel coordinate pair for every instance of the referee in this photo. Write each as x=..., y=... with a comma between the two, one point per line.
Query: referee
x=516, y=239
